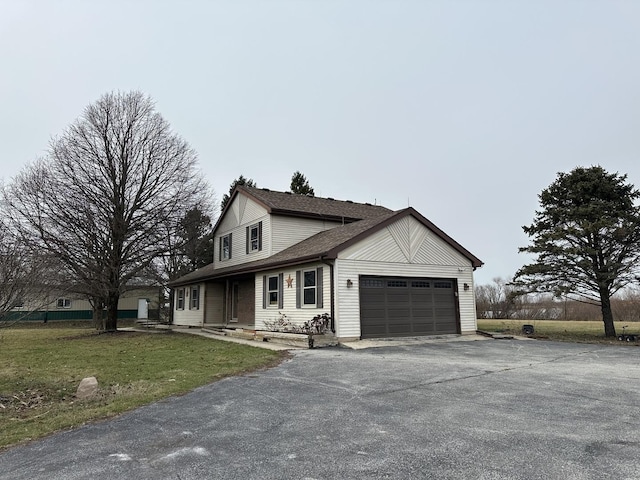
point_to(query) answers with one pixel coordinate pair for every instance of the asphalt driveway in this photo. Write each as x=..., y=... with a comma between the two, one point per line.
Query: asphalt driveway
x=495, y=409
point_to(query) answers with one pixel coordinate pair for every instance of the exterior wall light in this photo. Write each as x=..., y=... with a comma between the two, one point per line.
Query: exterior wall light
x=349, y=283
x=466, y=287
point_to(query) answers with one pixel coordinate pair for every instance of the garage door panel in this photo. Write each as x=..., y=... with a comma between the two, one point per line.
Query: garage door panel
x=422, y=312
x=423, y=328
x=392, y=306
x=394, y=297
x=399, y=328
x=395, y=313
x=374, y=331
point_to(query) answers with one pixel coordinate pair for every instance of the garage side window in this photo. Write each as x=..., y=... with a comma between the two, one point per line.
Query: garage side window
x=272, y=295
x=309, y=288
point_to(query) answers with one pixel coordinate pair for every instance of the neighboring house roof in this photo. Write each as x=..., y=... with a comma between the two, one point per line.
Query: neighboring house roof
x=324, y=246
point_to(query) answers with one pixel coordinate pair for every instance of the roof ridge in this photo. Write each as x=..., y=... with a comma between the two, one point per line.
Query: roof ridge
x=268, y=190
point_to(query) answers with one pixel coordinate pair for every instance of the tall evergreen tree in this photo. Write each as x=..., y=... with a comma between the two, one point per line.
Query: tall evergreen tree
x=238, y=181
x=586, y=239
x=300, y=185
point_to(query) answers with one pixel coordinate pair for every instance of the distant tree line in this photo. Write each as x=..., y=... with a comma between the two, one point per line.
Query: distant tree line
x=501, y=300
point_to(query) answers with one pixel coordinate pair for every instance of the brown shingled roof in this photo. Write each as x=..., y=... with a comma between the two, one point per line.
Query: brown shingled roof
x=287, y=203
x=323, y=245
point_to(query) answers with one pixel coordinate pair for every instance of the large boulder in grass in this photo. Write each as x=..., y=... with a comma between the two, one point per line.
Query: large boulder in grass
x=88, y=388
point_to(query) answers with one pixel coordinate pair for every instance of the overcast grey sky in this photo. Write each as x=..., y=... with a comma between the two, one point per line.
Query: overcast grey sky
x=464, y=110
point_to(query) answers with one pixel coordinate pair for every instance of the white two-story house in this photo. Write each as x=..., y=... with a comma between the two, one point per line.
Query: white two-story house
x=376, y=272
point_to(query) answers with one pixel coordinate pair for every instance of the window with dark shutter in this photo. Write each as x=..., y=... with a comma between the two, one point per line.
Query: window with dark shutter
x=309, y=288
x=319, y=281
x=254, y=238
x=225, y=247
x=273, y=291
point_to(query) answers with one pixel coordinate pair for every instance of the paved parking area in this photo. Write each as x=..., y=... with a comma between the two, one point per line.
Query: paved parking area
x=496, y=409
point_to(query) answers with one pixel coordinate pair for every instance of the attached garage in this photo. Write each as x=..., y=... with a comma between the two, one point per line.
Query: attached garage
x=401, y=306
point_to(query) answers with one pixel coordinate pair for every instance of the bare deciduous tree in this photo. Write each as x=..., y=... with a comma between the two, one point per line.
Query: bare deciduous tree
x=496, y=300
x=24, y=279
x=103, y=199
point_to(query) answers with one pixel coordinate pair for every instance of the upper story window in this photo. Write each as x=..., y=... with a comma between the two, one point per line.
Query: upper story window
x=225, y=247
x=254, y=237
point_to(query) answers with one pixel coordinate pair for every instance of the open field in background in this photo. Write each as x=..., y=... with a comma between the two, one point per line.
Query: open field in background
x=41, y=366
x=561, y=330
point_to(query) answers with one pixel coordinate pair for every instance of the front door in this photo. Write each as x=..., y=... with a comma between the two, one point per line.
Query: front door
x=234, y=302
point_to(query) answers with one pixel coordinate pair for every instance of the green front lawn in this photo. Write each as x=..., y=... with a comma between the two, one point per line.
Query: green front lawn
x=42, y=365
x=561, y=330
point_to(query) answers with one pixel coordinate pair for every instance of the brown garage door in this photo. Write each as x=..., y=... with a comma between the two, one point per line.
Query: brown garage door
x=398, y=306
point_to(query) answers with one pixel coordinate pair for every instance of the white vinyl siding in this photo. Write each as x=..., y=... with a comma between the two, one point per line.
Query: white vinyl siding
x=242, y=213
x=239, y=253
x=405, y=248
x=296, y=315
x=287, y=231
x=347, y=309
x=189, y=317
x=405, y=241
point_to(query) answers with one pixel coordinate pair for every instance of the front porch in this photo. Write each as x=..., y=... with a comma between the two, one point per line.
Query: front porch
x=230, y=303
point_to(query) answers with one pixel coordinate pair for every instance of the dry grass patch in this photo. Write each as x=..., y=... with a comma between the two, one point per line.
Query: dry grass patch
x=560, y=330
x=41, y=367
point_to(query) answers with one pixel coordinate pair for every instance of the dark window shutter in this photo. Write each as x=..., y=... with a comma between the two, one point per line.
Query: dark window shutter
x=319, y=287
x=248, y=238
x=298, y=289
x=280, y=290
x=220, y=248
x=260, y=236
x=230, y=243
x=264, y=291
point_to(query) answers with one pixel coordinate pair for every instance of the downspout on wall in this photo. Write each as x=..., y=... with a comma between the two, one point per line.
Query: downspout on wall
x=332, y=294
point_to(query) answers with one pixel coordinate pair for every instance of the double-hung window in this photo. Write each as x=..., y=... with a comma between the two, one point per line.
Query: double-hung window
x=272, y=289
x=180, y=299
x=272, y=295
x=195, y=298
x=254, y=237
x=309, y=288
x=225, y=247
